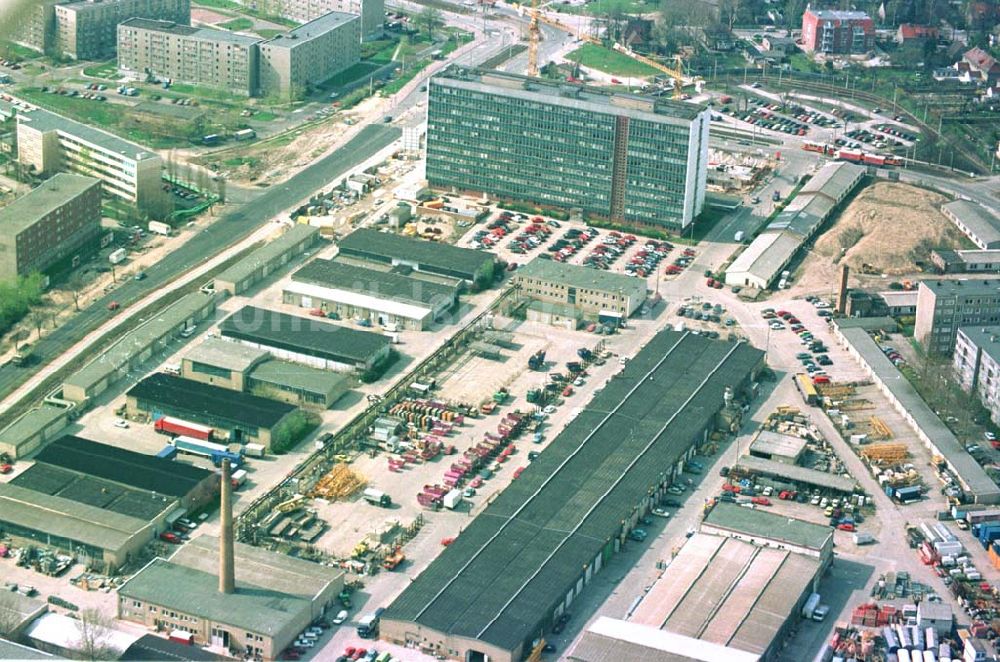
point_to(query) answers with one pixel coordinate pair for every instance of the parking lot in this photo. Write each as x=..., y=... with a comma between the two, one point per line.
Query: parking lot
x=518, y=238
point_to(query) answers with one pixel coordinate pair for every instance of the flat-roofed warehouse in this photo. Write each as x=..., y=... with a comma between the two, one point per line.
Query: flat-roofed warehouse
x=383, y=297
x=242, y=416
x=267, y=259
x=137, y=346
x=514, y=570
x=101, y=538
x=592, y=291
x=276, y=597
x=191, y=486
x=222, y=363
x=306, y=340
x=434, y=258
x=770, y=530
x=32, y=429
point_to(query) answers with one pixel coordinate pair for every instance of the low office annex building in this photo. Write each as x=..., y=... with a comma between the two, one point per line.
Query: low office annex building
x=518, y=566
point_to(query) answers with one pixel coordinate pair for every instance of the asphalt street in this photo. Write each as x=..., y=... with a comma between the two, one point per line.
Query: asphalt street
x=226, y=231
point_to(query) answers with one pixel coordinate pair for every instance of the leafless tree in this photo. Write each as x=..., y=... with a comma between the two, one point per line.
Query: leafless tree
x=95, y=636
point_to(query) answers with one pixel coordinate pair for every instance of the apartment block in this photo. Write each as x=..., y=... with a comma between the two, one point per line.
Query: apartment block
x=51, y=143
x=59, y=219
x=977, y=365
x=372, y=12
x=213, y=58
x=943, y=306
x=88, y=30
x=36, y=26
x=310, y=54
x=631, y=159
x=837, y=32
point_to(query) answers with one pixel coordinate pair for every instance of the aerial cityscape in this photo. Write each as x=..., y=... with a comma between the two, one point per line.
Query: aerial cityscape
x=490, y=331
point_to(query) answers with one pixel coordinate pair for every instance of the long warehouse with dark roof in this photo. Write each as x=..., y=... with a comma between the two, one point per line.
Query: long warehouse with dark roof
x=517, y=567
x=240, y=416
x=307, y=340
x=428, y=256
x=192, y=485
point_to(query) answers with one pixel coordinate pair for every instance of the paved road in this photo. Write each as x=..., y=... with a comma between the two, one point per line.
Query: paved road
x=229, y=229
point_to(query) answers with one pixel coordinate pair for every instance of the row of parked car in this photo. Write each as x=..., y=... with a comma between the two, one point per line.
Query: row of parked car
x=646, y=259
x=800, y=113
x=896, y=132
x=609, y=250
x=570, y=243
x=530, y=238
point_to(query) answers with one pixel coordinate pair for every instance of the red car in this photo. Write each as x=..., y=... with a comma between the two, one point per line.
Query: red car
x=846, y=526
x=5, y=468
x=822, y=379
x=114, y=305
x=761, y=501
x=171, y=538
x=568, y=391
x=783, y=314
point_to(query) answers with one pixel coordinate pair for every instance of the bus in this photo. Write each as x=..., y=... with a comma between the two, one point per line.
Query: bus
x=245, y=134
x=211, y=139
x=805, y=386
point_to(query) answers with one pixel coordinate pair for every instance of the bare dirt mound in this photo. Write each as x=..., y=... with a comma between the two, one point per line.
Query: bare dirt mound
x=889, y=227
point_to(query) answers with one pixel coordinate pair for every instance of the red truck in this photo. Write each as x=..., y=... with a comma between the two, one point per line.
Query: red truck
x=177, y=427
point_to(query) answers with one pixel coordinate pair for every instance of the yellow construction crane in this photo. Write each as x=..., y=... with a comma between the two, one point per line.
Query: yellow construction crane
x=677, y=75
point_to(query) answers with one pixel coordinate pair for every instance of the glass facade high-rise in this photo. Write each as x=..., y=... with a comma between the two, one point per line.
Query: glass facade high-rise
x=631, y=159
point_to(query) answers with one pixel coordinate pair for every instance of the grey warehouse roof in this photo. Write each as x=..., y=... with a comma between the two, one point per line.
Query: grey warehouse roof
x=43, y=120
x=190, y=591
x=500, y=579
x=834, y=180
x=259, y=567
x=135, y=342
x=226, y=355
x=382, y=284
x=30, y=423
x=432, y=256
x=767, y=255
x=968, y=470
x=980, y=221
x=298, y=376
x=573, y=275
x=797, y=474
x=46, y=198
x=776, y=443
x=305, y=335
x=267, y=254
x=768, y=525
x=560, y=93
x=962, y=286
x=64, y=518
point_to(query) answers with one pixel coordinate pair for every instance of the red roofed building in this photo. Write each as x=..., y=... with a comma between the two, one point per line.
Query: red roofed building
x=983, y=67
x=837, y=32
x=909, y=32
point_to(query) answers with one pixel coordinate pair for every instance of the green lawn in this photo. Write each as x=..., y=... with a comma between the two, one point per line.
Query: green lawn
x=264, y=116
x=16, y=51
x=236, y=7
x=107, y=70
x=351, y=74
x=269, y=33
x=609, y=61
x=85, y=110
x=208, y=93
x=237, y=24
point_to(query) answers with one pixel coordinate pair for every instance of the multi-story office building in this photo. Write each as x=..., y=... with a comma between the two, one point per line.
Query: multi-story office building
x=628, y=158
x=945, y=305
x=215, y=58
x=372, y=12
x=977, y=365
x=88, y=30
x=837, y=32
x=52, y=143
x=309, y=54
x=59, y=219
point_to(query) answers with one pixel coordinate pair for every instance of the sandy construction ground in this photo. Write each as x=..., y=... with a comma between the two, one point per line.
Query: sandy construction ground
x=889, y=227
